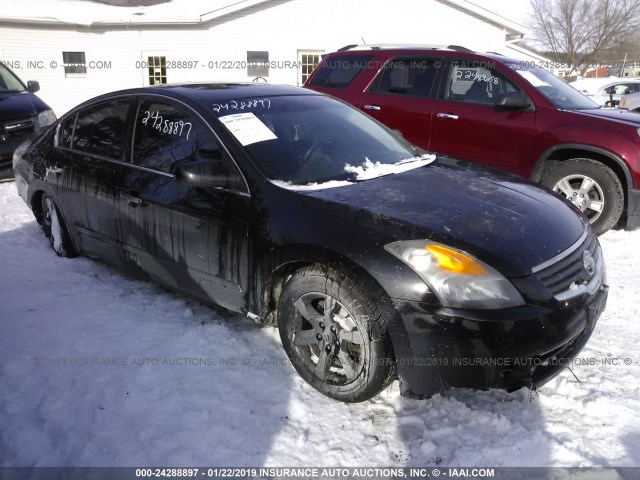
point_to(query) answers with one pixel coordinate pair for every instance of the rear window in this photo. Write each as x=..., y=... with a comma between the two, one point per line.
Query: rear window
x=340, y=70
x=100, y=129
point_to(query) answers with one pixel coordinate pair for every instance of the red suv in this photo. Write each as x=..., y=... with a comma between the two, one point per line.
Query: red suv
x=502, y=112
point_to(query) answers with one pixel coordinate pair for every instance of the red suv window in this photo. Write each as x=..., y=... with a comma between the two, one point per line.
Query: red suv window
x=415, y=77
x=340, y=71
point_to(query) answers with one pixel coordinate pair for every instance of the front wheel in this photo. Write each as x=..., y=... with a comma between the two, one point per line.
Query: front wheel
x=333, y=334
x=55, y=229
x=592, y=187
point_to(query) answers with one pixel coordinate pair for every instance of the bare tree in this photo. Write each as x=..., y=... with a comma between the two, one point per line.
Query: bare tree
x=581, y=32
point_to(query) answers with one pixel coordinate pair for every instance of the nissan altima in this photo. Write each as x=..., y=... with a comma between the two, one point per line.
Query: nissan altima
x=375, y=259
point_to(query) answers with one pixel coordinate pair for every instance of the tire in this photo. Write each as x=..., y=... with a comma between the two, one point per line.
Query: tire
x=344, y=352
x=592, y=187
x=55, y=229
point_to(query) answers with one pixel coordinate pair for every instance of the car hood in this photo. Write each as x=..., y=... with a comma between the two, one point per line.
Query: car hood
x=623, y=116
x=510, y=224
x=16, y=106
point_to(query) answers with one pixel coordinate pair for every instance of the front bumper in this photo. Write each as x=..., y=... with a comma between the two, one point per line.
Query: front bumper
x=633, y=210
x=504, y=349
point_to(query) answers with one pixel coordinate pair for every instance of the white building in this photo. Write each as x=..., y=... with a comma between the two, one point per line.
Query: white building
x=79, y=49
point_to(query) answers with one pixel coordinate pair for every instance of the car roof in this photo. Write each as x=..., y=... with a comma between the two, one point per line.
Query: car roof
x=207, y=93
x=621, y=81
x=392, y=49
x=368, y=47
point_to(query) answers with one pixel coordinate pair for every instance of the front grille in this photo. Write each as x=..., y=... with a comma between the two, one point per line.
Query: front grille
x=16, y=128
x=566, y=272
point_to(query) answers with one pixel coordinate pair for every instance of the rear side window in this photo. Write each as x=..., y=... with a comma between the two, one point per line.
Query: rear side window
x=476, y=84
x=415, y=77
x=166, y=134
x=340, y=70
x=100, y=129
x=66, y=131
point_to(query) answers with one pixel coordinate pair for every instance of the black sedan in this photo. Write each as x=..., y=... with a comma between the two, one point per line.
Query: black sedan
x=375, y=259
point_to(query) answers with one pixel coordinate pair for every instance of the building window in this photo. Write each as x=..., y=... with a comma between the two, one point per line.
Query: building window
x=258, y=64
x=75, y=63
x=157, y=67
x=307, y=61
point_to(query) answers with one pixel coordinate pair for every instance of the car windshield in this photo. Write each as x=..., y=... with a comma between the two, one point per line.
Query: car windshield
x=561, y=94
x=316, y=141
x=9, y=83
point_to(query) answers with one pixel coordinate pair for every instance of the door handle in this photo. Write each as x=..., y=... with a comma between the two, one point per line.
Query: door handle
x=131, y=198
x=371, y=107
x=448, y=116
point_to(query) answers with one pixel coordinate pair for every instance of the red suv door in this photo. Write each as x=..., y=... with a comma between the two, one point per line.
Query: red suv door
x=466, y=122
x=400, y=96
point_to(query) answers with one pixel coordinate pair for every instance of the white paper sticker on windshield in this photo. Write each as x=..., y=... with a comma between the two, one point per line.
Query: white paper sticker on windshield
x=247, y=128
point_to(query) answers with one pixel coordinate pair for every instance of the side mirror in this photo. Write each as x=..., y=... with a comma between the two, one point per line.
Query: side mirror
x=33, y=86
x=513, y=101
x=207, y=173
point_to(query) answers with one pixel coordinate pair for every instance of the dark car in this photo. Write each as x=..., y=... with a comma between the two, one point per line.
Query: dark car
x=22, y=114
x=498, y=111
x=373, y=257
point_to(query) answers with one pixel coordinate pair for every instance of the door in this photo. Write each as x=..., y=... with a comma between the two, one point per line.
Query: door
x=193, y=239
x=92, y=144
x=399, y=97
x=467, y=124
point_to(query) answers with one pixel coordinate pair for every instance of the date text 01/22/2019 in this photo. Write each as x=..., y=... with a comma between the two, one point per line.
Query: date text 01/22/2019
x=316, y=472
x=220, y=64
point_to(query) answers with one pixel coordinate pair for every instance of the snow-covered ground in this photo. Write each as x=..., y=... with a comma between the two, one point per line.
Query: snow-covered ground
x=187, y=385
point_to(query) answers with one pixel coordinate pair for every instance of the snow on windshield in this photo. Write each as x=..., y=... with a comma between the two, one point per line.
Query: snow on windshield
x=311, y=186
x=370, y=170
x=367, y=171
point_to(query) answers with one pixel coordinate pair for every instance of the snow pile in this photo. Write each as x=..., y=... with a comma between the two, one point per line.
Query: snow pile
x=97, y=369
x=369, y=169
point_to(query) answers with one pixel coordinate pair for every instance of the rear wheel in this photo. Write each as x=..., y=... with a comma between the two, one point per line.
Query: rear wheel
x=55, y=229
x=332, y=333
x=592, y=187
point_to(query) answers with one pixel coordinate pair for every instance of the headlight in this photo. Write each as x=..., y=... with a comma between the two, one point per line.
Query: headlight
x=45, y=118
x=458, y=279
